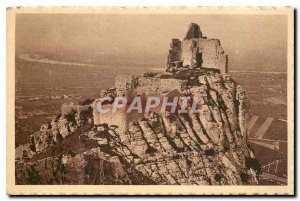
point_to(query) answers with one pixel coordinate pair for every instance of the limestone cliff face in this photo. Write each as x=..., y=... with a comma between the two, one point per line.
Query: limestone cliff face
x=209, y=148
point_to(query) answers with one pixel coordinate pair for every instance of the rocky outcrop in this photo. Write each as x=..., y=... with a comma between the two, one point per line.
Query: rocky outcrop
x=85, y=146
x=72, y=117
x=90, y=167
x=206, y=148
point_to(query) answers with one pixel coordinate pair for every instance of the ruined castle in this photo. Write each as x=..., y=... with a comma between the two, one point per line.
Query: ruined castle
x=188, y=59
x=83, y=146
x=196, y=51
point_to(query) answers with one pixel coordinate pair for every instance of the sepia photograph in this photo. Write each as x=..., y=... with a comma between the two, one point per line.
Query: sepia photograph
x=150, y=101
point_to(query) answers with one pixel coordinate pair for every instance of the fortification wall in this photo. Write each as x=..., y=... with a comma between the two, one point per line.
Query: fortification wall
x=125, y=85
x=211, y=53
x=174, y=55
x=130, y=87
x=158, y=86
x=188, y=52
x=117, y=118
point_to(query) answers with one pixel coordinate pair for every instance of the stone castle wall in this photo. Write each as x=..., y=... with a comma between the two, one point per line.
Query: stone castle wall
x=119, y=118
x=197, y=51
x=130, y=87
x=210, y=52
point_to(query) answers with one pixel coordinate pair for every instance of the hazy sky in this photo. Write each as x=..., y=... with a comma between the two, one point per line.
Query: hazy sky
x=252, y=42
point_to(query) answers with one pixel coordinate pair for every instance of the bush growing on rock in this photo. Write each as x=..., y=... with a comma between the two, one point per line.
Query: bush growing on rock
x=209, y=152
x=218, y=177
x=252, y=163
x=244, y=177
x=70, y=117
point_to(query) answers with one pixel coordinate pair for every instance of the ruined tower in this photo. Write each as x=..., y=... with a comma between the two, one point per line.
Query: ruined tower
x=193, y=32
x=196, y=52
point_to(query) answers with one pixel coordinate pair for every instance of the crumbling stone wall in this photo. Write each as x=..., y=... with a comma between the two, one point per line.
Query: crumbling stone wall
x=198, y=52
x=131, y=86
x=193, y=31
x=156, y=86
x=189, y=52
x=118, y=118
x=211, y=53
x=174, y=57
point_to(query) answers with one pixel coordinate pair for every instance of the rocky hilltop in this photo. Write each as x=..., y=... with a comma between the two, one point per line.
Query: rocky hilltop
x=83, y=146
x=208, y=148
